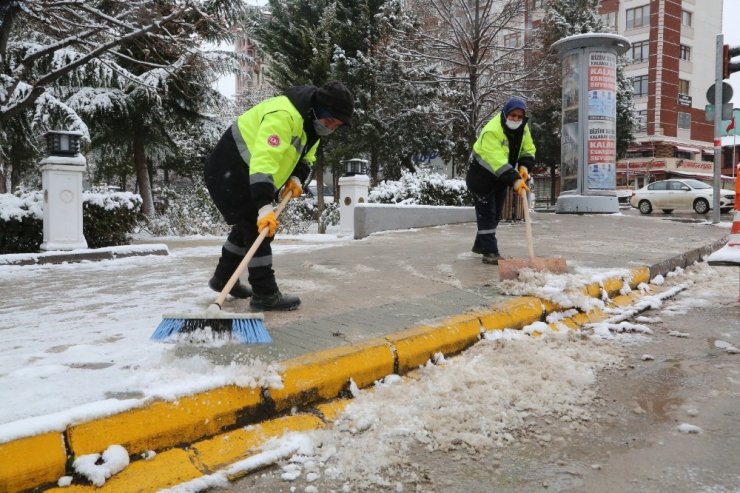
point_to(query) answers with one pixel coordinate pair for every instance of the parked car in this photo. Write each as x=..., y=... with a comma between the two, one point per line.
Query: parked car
x=688, y=193
x=312, y=192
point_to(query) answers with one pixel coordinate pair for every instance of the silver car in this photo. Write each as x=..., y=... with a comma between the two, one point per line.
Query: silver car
x=688, y=193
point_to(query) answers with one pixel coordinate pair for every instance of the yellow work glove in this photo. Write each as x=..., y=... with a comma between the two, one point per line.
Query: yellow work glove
x=267, y=219
x=524, y=173
x=292, y=186
x=520, y=186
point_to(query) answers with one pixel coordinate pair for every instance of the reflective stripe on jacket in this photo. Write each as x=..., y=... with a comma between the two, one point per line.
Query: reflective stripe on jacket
x=271, y=140
x=492, y=147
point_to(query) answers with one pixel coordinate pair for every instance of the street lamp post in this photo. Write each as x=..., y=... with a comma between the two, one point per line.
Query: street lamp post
x=61, y=179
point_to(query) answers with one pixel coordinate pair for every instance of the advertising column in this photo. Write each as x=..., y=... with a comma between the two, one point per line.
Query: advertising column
x=588, y=170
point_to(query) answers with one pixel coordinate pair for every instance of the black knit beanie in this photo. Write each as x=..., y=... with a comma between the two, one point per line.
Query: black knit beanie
x=336, y=99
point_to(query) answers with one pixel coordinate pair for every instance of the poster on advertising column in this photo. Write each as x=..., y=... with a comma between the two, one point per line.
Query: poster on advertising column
x=601, y=155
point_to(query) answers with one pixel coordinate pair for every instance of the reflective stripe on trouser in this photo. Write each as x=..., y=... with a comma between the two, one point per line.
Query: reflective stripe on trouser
x=240, y=239
x=488, y=214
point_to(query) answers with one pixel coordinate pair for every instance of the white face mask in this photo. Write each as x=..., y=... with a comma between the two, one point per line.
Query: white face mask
x=513, y=124
x=321, y=130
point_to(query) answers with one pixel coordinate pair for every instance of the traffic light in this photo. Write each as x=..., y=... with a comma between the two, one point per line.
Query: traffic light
x=728, y=66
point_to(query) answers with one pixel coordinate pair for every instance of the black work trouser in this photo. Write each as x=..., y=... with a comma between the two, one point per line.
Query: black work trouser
x=489, y=194
x=488, y=214
x=227, y=179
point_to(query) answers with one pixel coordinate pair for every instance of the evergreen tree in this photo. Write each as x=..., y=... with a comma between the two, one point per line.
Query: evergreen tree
x=315, y=41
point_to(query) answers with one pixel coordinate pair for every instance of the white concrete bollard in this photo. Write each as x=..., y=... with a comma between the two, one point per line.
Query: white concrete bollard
x=353, y=190
x=61, y=179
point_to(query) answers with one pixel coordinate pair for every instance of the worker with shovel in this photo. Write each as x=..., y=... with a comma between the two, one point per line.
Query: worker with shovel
x=500, y=159
x=271, y=145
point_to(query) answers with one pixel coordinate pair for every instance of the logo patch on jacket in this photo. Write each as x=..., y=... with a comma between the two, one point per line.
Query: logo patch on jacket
x=273, y=140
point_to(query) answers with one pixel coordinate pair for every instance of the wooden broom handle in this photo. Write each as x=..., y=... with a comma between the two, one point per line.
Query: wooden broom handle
x=527, y=223
x=250, y=253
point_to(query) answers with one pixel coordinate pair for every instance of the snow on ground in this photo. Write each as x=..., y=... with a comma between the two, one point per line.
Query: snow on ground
x=85, y=316
x=486, y=398
x=74, y=318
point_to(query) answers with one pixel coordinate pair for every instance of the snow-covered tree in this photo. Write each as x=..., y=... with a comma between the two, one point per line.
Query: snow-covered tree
x=399, y=101
x=60, y=60
x=479, y=48
x=314, y=41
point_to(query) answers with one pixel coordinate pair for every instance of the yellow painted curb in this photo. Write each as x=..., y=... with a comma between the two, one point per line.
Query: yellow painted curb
x=166, y=469
x=329, y=411
x=29, y=462
x=416, y=345
x=323, y=375
x=166, y=424
x=216, y=453
x=513, y=314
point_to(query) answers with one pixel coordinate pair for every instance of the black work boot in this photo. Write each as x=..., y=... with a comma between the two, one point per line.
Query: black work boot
x=238, y=290
x=274, y=301
x=491, y=258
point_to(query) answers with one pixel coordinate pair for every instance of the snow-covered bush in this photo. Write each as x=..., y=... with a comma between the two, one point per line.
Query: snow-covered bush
x=301, y=213
x=186, y=211
x=422, y=188
x=297, y=217
x=21, y=222
x=108, y=219
x=330, y=215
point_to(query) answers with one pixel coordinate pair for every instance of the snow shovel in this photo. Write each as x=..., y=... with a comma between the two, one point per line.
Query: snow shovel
x=509, y=268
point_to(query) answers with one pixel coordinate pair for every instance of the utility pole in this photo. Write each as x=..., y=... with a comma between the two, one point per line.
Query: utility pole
x=719, y=72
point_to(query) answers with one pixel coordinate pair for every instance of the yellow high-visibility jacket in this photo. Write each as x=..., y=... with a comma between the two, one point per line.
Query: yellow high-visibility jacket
x=492, y=147
x=271, y=140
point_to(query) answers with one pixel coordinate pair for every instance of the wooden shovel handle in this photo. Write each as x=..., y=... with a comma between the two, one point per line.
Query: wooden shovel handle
x=250, y=253
x=527, y=223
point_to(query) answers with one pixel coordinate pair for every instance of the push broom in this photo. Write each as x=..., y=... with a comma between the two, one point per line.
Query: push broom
x=247, y=328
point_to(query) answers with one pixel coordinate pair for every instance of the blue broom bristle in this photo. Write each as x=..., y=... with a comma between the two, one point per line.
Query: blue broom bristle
x=244, y=330
x=167, y=328
x=250, y=331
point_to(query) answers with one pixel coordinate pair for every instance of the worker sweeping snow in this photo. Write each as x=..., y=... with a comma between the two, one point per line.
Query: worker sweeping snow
x=501, y=158
x=270, y=146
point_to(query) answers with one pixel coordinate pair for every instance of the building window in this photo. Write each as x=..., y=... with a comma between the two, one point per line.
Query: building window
x=536, y=4
x=684, y=120
x=638, y=17
x=641, y=120
x=686, y=18
x=640, y=51
x=610, y=20
x=511, y=40
x=640, y=85
x=684, y=86
x=685, y=53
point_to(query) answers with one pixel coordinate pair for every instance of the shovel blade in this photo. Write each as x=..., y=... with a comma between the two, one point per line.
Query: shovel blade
x=509, y=268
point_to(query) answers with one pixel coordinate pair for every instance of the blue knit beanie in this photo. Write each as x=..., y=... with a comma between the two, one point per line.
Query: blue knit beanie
x=513, y=104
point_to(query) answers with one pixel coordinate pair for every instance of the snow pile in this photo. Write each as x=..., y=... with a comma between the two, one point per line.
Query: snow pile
x=98, y=468
x=499, y=387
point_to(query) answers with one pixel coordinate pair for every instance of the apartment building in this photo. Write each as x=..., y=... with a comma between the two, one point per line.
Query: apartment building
x=671, y=65
x=251, y=73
